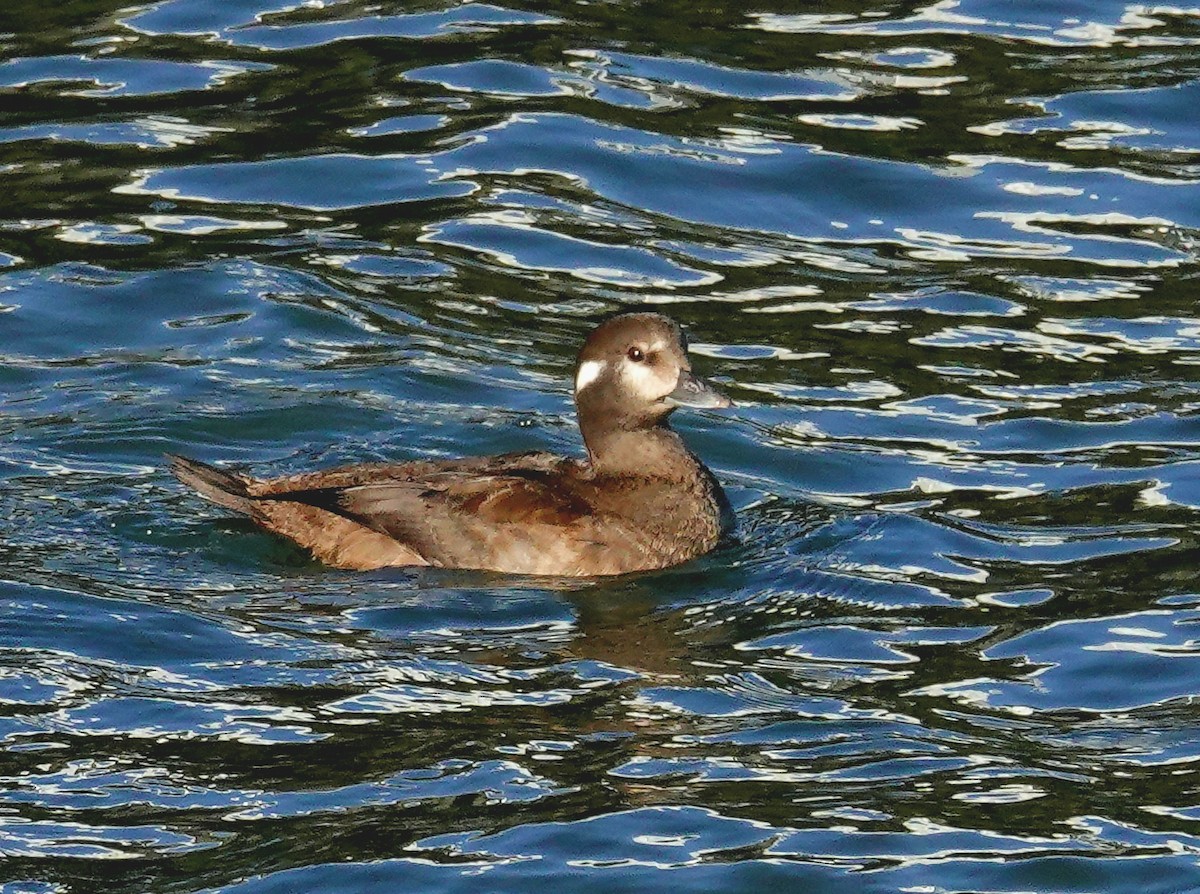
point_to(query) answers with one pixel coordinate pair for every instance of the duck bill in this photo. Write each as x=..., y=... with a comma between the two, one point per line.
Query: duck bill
x=691, y=391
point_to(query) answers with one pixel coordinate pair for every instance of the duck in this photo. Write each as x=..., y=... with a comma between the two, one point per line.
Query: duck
x=639, y=501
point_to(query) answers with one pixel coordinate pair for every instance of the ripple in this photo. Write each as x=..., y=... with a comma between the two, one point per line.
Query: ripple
x=202, y=225
x=103, y=234
x=1113, y=24
x=240, y=23
x=1115, y=663
x=695, y=76
x=44, y=838
x=704, y=849
x=100, y=786
x=150, y=132
x=395, y=266
x=510, y=239
x=121, y=77
x=987, y=337
x=346, y=181
x=60, y=303
x=745, y=695
x=975, y=216
x=1147, y=335
x=901, y=57
x=401, y=124
x=922, y=841
x=493, y=76
x=881, y=123
x=1067, y=289
x=942, y=303
x=846, y=643
x=1151, y=119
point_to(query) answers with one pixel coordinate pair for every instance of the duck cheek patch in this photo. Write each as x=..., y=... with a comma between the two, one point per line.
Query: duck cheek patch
x=645, y=381
x=589, y=371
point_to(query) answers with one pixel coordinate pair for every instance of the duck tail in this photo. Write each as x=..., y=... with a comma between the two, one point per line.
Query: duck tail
x=218, y=485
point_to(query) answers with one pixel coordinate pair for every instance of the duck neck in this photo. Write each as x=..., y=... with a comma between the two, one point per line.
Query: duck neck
x=656, y=451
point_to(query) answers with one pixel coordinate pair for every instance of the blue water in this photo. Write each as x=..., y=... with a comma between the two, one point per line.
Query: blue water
x=943, y=257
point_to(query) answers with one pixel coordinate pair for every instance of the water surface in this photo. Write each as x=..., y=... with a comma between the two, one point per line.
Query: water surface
x=944, y=258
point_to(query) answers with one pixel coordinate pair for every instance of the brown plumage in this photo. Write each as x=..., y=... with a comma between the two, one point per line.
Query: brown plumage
x=641, y=500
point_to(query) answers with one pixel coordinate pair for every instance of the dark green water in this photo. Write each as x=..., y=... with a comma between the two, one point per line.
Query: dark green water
x=944, y=259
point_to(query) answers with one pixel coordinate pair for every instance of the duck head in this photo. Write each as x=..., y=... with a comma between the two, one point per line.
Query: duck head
x=633, y=371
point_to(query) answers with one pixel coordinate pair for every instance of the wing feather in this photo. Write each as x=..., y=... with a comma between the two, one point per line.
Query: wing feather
x=517, y=518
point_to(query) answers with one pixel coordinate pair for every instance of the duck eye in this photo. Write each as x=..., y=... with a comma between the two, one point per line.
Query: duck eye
x=636, y=355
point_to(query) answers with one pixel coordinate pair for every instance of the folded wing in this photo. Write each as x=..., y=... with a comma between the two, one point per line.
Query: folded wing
x=514, y=521
x=510, y=513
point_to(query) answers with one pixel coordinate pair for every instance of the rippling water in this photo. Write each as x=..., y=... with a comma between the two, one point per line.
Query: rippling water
x=944, y=257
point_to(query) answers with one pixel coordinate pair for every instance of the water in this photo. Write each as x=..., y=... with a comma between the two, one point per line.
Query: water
x=944, y=259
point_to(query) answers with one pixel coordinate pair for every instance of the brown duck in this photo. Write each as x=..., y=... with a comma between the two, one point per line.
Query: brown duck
x=641, y=500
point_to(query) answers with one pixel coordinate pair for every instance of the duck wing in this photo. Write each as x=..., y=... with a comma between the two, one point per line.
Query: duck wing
x=509, y=513
x=519, y=519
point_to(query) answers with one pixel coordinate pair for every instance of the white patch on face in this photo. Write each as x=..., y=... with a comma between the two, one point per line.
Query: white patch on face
x=589, y=371
x=645, y=380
